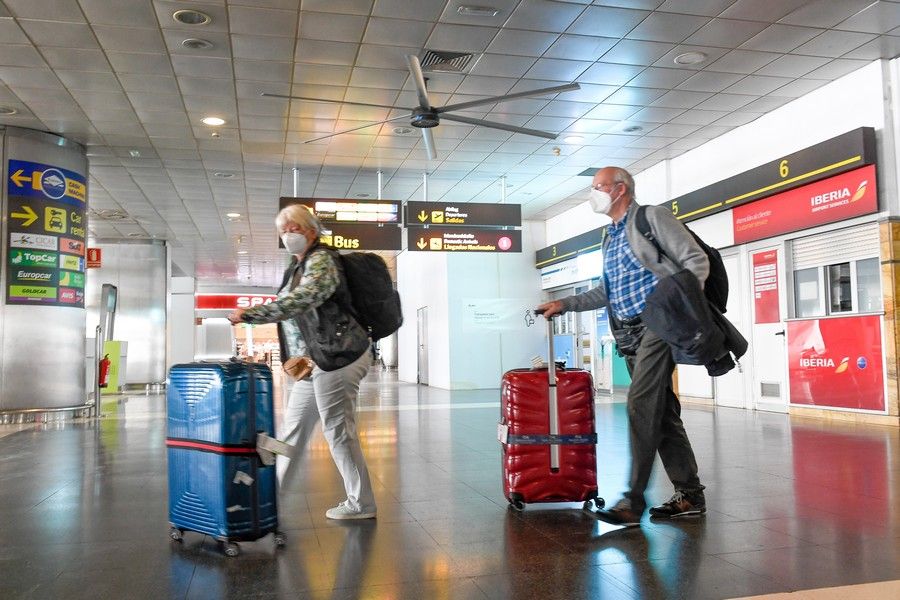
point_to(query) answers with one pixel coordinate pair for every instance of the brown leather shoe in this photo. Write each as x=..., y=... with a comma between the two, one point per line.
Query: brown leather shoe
x=620, y=514
x=680, y=505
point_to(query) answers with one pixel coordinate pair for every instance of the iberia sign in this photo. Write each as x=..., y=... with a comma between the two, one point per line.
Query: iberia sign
x=459, y=239
x=231, y=301
x=834, y=199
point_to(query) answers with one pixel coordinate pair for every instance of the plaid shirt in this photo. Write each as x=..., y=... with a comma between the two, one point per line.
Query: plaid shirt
x=628, y=282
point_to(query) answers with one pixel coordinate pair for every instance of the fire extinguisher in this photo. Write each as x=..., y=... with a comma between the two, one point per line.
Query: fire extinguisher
x=103, y=371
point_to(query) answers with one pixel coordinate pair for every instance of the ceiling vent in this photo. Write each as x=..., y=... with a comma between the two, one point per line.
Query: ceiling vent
x=449, y=62
x=110, y=214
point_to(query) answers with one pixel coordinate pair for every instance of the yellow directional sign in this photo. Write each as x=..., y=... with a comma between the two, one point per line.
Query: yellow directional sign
x=421, y=243
x=19, y=178
x=437, y=216
x=55, y=219
x=422, y=216
x=27, y=215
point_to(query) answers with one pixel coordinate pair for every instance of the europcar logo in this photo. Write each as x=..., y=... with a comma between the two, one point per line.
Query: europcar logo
x=860, y=191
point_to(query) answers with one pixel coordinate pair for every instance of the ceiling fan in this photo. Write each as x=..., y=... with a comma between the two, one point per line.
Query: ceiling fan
x=425, y=116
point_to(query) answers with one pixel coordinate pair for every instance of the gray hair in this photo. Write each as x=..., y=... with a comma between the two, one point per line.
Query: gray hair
x=299, y=214
x=620, y=175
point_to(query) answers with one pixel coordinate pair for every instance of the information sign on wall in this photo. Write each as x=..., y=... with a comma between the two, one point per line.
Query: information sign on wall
x=45, y=243
x=466, y=213
x=836, y=362
x=765, y=287
x=461, y=239
x=834, y=199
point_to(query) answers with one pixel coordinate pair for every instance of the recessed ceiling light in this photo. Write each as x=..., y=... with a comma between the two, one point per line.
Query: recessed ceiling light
x=191, y=17
x=402, y=130
x=6, y=111
x=214, y=121
x=242, y=251
x=197, y=44
x=573, y=139
x=633, y=129
x=478, y=11
x=690, y=58
x=233, y=215
x=223, y=174
x=134, y=153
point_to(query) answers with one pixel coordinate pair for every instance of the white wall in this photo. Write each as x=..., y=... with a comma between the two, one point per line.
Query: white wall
x=458, y=357
x=181, y=321
x=422, y=281
x=478, y=358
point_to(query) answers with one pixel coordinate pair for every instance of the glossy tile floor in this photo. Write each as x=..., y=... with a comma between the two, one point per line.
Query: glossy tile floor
x=793, y=505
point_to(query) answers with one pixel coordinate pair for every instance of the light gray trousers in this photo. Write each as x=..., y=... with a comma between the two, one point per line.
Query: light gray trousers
x=332, y=397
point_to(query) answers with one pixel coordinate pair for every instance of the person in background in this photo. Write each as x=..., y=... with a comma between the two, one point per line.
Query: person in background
x=632, y=267
x=314, y=318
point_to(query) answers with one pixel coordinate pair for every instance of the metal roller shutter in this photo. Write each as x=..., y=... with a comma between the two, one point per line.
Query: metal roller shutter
x=842, y=245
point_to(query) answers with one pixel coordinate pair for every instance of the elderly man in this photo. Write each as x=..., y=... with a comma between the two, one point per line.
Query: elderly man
x=632, y=267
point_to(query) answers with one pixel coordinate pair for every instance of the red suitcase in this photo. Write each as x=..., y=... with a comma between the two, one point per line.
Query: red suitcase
x=547, y=434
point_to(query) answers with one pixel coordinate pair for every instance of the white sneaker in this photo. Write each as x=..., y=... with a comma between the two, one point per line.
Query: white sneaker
x=342, y=511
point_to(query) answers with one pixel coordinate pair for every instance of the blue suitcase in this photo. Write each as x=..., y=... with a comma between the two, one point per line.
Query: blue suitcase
x=217, y=483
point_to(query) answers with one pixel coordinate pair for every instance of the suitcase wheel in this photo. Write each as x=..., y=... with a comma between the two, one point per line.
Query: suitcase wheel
x=589, y=505
x=280, y=539
x=176, y=534
x=517, y=505
x=231, y=549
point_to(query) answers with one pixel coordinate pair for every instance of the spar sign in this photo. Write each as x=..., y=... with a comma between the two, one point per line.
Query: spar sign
x=231, y=301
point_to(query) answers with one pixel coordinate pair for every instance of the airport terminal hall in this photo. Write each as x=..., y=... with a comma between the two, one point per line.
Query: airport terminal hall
x=450, y=299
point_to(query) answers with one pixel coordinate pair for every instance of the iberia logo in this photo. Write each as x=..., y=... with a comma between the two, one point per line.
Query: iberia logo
x=860, y=191
x=845, y=363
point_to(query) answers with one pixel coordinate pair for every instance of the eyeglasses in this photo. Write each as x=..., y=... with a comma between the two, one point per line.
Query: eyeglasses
x=603, y=185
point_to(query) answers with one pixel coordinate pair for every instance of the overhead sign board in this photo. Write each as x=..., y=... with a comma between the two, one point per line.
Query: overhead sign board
x=45, y=239
x=461, y=239
x=588, y=241
x=835, y=199
x=843, y=153
x=231, y=301
x=469, y=214
x=341, y=210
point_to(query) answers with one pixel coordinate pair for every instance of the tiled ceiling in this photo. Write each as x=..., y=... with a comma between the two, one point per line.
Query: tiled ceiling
x=115, y=76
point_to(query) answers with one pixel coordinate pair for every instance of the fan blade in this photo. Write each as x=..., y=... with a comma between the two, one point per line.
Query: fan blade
x=268, y=95
x=503, y=126
x=415, y=69
x=355, y=128
x=539, y=92
x=428, y=139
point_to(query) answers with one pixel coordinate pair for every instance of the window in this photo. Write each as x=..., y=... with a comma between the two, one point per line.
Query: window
x=807, y=299
x=840, y=299
x=847, y=287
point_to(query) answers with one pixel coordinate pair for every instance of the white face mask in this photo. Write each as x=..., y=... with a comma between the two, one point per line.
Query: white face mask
x=294, y=242
x=601, y=201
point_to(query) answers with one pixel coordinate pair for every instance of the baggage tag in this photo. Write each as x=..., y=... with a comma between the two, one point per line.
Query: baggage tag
x=502, y=432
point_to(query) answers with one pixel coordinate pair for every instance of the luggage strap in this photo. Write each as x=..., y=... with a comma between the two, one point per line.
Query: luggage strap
x=210, y=447
x=551, y=439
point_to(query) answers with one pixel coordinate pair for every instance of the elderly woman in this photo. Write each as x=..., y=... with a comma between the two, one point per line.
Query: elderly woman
x=314, y=317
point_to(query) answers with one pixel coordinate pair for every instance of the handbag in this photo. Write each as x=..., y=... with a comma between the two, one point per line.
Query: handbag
x=298, y=367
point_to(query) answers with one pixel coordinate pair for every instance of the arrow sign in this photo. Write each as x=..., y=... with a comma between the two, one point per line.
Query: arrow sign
x=19, y=178
x=421, y=243
x=27, y=215
x=422, y=216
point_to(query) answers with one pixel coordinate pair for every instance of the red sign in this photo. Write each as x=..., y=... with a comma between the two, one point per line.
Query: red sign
x=836, y=362
x=94, y=258
x=73, y=246
x=231, y=301
x=837, y=198
x=765, y=287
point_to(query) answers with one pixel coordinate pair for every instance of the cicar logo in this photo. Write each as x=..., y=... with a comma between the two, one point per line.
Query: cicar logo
x=248, y=301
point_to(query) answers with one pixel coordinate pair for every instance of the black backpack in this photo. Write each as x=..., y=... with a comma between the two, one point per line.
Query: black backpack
x=716, y=287
x=376, y=303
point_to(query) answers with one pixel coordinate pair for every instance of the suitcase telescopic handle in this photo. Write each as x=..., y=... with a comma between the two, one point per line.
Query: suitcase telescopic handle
x=552, y=395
